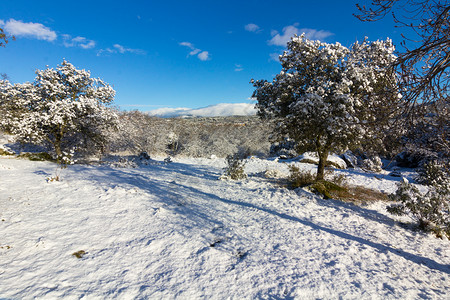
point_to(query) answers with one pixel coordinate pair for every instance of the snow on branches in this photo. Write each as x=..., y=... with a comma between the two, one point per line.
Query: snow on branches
x=63, y=106
x=329, y=97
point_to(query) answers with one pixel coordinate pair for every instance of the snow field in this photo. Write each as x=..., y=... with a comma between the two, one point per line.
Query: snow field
x=175, y=231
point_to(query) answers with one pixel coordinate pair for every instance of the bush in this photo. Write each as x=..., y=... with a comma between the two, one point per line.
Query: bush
x=235, y=168
x=299, y=178
x=433, y=173
x=431, y=210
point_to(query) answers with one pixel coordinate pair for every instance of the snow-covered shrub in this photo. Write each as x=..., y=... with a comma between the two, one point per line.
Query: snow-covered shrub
x=235, y=167
x=330, y=98
x=63, y=107
x=299, y=178
x=430, y=209
x=372, y=164
x=124, y=162
x=434, y=173
x=143, y=156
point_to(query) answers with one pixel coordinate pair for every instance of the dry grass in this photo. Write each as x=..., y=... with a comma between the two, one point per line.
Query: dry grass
x=358, y=195
x=4, y=152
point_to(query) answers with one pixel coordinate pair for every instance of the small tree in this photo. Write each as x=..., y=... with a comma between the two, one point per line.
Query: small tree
x=235, y=167
x=64, y=107
x=328, y=97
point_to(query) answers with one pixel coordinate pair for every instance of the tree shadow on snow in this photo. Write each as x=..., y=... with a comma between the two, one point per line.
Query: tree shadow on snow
x=160, y=189
x=379, y=247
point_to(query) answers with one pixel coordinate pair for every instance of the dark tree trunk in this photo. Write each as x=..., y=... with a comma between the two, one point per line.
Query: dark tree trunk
x=58, y=151
x=323, y=155
x=57, y=144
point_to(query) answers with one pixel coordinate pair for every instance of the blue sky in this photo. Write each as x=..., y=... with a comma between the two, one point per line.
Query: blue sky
x=173, y=53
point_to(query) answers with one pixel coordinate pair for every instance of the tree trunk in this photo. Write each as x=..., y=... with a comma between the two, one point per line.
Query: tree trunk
x=323, y=155
x=58, y=151
x=57, y=144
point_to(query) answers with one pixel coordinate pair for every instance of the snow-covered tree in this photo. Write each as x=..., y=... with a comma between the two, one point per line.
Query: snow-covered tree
x=64, y=107
x=14, y=102
x=328, y=97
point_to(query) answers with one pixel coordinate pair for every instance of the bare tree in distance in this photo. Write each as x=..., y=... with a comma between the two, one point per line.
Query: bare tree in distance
x=424, y=65
x=3, y=41
x=4, y=38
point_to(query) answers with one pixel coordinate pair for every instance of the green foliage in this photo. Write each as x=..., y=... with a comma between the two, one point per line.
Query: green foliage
x=235, y=167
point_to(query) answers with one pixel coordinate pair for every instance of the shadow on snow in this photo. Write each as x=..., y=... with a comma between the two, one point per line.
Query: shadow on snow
x=160, y=189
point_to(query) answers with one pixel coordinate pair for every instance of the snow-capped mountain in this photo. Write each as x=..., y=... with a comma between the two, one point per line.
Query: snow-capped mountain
x=218, y=110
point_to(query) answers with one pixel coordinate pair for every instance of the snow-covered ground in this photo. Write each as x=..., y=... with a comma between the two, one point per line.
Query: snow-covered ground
x=176, y=231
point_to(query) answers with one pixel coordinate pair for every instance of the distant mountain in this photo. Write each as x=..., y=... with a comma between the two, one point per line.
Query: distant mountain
x=218, y=110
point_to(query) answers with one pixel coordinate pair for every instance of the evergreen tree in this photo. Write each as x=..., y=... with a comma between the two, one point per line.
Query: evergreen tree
x=64, y=107
x=328, y=97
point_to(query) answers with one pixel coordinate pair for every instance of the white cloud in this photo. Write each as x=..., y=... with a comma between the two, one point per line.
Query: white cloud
x=275, y=57
x=78, y=41
x=238, y=68
x=289, y=31
x=31, y=30
x=202, y=55
x=120, y=48
x=187, y=44
x=195, y=52
x=117, y=48
x=252, y=27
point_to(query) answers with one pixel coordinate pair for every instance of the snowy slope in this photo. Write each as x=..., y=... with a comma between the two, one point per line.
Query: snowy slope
x=218, y=110
x=175, y=231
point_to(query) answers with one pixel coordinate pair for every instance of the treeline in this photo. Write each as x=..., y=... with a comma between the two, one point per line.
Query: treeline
x=194, y=137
